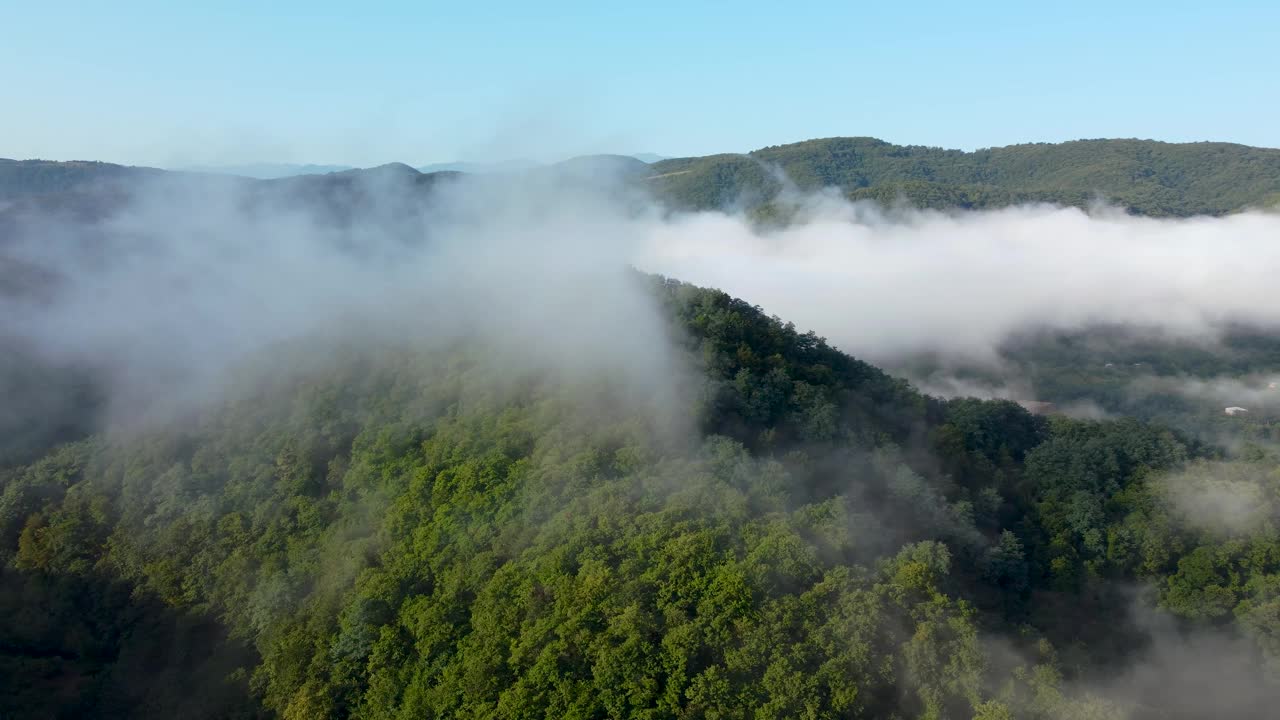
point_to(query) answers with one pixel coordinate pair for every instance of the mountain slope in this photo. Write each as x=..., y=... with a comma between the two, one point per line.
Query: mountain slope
x=1148, y=177
x=1145, y=176
x=396, y=533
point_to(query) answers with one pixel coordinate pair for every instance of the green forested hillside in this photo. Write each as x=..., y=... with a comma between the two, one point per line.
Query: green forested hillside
x=1145, y=176
x=408, y=533
x=1148, y=177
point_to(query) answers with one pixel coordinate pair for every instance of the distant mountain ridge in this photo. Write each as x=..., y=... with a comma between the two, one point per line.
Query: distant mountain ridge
x=267, y=171
x=1144, y=176
x=479, y=168
x=276, y=171
x=20, y=178
x=37, y=178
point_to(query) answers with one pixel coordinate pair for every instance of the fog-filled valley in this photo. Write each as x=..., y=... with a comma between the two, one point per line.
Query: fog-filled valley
x=830, y=430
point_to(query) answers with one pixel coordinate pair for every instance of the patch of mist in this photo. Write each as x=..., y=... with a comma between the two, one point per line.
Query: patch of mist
x=188, y=277
x=1223, y=499
x=1189, y=673
x=1253, y=392
x=887, y=283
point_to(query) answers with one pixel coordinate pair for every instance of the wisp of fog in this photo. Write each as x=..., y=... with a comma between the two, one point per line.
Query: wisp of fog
x=185, y=279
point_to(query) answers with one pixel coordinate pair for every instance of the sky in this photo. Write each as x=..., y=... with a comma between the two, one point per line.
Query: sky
x=173, y=84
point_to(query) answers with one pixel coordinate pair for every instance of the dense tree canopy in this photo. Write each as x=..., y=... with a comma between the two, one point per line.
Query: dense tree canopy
x=403, y=532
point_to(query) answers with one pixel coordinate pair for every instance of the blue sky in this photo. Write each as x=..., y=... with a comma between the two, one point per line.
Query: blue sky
x=364, y=83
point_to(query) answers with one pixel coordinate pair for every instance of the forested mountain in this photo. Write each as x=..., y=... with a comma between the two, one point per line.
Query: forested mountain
x=403, y=532
x=1148, y=177
x=447, y=504
x=1145, y=176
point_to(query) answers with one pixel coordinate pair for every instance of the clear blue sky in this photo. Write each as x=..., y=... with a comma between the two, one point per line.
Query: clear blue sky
x=165, y=84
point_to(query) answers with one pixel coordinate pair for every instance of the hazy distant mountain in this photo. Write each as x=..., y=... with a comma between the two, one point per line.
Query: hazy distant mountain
x=267, y=171
x=480, y=168
x=271, y=171
x=602, y=167
x=20, y=178
x=516, y=165
x=88, y=191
